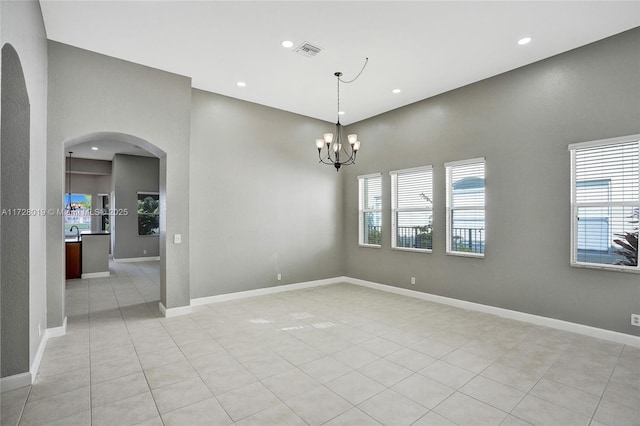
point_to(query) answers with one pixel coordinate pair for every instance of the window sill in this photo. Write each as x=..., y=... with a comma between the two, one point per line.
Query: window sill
x=464, y=254
x=610, y=268
x=415, y=250
x=375, y=246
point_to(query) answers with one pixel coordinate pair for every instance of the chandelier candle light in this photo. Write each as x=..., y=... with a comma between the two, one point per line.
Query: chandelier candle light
x=337, y=154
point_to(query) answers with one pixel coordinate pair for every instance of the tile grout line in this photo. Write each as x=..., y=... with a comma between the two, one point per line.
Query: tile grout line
x=136, y=350
x=90, y=339
x=196, y=371
x=593, y=416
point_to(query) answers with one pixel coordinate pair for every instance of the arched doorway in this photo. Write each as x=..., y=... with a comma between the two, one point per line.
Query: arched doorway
x=14, y=222
x=121, y=141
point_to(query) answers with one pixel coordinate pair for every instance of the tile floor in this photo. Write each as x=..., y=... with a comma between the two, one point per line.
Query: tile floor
x=332, y=355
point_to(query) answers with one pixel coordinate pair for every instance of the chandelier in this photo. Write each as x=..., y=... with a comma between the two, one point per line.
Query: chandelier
x=338, y=151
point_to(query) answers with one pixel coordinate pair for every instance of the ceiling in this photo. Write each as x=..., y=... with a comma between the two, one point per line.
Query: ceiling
x=423, y=48
x=106, y=149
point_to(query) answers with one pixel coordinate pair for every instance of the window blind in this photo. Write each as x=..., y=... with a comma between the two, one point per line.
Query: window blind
x=412, y=205
x=370, y=215
x=466, y=207
x=605, y=203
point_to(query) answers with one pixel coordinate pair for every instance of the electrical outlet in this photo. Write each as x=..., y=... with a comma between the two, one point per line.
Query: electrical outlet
x=144, y=252
x=635, y=320
x=39, y=330
x=413, y=280
x=279, y=277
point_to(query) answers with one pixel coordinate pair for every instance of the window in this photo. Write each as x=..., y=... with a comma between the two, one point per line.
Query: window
x=605, y=201
x=411, y=208
x=465, y=207
x=77, y=213
x=148, y=213
x=370, y=202
x=104, y=213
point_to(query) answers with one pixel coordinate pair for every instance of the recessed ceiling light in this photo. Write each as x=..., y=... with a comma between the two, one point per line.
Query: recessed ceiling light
x=287, y=44
x=94, y=148
x=396, y=91
x=241, y=84
x=524, y=40
x=340, y=112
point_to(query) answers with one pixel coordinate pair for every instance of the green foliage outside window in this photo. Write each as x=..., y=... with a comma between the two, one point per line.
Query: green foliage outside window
x=374, y=236
x=148, y=214
x=629, y=242
x=424, y=237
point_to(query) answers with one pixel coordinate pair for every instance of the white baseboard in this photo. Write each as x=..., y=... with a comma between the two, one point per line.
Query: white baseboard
x=612, y=336
x=263, y=291
x=35, y=365
x=183, y=310
x=58, y=331
x=136, y=259
x=25, y=379
x=95, y=275
x=174, y=312
x=16, y=381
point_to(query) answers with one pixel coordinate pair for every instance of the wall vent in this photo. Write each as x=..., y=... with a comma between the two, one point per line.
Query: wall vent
x=307, y=49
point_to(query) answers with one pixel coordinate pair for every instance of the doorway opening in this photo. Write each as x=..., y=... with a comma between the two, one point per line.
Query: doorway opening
x=112, y=170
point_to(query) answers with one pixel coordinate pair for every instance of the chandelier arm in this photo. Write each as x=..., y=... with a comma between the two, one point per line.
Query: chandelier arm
x=349, y=160
x=332, y=160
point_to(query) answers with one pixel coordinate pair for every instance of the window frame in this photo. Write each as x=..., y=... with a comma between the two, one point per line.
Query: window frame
x=450, y=210
x=362, y=211
x=575, y=205
x=395, y=210
x=138, y=214
x=104, y=218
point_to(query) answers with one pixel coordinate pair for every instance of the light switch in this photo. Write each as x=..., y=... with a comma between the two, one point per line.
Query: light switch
x=177, y=238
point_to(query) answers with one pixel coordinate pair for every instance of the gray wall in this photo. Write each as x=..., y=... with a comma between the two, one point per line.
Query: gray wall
x=14, y=246
x=21, y=26
x=95, y=253
x=87, y=166
x=522, y=122
x=132, y=174
x=92, y=93
x=260, y=203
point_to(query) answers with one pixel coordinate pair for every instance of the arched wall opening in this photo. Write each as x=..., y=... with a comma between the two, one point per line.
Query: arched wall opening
x=14, y=222
x=116, y=137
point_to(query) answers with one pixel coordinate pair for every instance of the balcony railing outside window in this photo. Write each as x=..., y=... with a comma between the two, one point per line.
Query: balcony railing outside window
x=418, y=237
x=470, y=240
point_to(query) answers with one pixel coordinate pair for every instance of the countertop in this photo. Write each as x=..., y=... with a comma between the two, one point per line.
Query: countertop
x=74, y=239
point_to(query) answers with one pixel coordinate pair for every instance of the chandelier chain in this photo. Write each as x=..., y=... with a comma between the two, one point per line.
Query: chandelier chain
x=366, y=61
x=338, y=112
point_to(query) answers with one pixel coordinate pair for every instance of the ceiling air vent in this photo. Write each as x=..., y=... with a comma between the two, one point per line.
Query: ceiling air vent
x=308, y=50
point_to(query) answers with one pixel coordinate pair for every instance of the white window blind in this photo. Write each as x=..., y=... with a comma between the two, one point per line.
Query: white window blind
x=370, y=215
x=605, y=203
x=466, y=207
x=412, y=205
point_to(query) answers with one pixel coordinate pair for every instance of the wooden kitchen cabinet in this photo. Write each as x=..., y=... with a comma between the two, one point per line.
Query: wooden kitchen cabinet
x=73, y=253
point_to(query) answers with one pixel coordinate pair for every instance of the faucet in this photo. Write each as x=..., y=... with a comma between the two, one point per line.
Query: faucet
x=77, y=231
